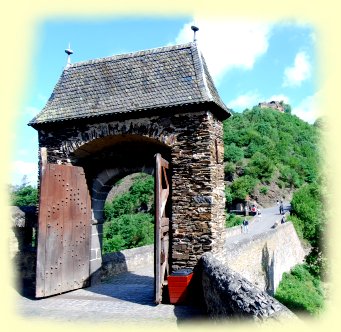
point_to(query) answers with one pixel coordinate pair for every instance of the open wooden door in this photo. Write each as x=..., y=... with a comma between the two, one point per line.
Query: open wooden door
x=161, y=226
x=63, y=230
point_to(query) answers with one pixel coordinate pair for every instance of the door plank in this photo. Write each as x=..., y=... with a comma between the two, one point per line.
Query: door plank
x=42, y=220
x=64, y=230
x=161, y=226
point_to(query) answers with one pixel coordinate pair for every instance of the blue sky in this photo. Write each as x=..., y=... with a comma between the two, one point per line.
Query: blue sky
x=250, y=61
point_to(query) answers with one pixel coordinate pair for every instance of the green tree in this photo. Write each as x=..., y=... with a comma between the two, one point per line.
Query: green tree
x=242, y=187
x=307, y=206
x=24, y=195
x=287, y=108
x=128, y=231
x=233, y=153
x=260, y=167
x=309, y=219
x=141, y=192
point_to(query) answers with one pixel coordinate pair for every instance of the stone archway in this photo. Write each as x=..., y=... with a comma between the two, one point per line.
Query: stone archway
x=105, y=161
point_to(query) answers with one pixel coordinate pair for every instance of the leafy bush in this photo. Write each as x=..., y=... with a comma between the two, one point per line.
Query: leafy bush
x=300, y=291
x=260, y=167
x=290, y=177
x=287, y=108
x=228, y=195
x=233, y=220
x=128, y=231
x=242, y=187
x=229, y=169
x=317, y=263
x=125, y=227
x=307, y=206
x=233, y=153
x=308, y=217
x=264, y=190
x=141, y=192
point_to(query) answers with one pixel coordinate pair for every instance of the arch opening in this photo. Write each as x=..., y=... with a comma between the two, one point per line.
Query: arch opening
x=129, y=213
x=107, y=162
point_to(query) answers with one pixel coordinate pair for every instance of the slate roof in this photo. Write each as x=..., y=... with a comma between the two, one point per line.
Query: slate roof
x=152, y=79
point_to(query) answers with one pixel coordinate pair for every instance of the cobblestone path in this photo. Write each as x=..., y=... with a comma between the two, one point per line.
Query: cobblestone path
x=125, y=299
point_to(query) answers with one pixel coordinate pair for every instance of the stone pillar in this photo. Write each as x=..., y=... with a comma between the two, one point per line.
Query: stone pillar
x=197, y=189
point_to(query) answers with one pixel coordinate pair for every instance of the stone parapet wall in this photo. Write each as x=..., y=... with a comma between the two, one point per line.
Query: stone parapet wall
x=263, y=258
x=235, y=230
x=23, y=227
x=227, y=295
x=126, y=260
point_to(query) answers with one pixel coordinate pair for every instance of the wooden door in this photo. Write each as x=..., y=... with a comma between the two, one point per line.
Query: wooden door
x=63, y=230
x=161, y=226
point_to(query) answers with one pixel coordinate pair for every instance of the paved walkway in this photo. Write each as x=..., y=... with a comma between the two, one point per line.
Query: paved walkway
x=256, y=226
x=126, y=298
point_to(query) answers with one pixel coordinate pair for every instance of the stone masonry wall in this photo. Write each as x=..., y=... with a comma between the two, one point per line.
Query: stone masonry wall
x=227, y=295
x=126, y=260
x=198, y=190
x=217, y=174
x=195, y=141
x=263, y=258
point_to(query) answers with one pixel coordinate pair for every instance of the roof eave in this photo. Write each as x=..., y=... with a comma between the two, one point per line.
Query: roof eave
x=221, y=113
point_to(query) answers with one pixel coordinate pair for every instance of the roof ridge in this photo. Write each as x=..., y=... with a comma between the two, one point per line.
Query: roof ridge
x=204, y=89
x=130, y=55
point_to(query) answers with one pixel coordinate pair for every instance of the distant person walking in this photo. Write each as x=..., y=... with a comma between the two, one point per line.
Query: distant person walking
x=283, y=220
x=259, y=215
x=246, y=210
x=281, y=208
x=245, y=226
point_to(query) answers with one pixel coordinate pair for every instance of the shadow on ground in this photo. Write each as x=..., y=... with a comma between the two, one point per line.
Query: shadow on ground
x=128, y=287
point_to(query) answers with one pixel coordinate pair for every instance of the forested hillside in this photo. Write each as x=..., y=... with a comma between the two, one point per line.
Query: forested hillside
x=271, y=155
x=130, y=216
x=268, y=155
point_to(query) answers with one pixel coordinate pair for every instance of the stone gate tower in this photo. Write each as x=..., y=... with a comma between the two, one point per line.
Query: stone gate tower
x=112, y=115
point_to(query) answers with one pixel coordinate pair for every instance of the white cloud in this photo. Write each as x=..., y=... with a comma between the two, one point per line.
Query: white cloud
x=22, y=168
x=283, y=98
x=308, y=108
x=244, y=101
x=299, y=72
x=228, y=44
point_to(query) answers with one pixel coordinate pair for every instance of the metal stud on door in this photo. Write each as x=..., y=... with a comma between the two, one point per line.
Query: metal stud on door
x=63, y=251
